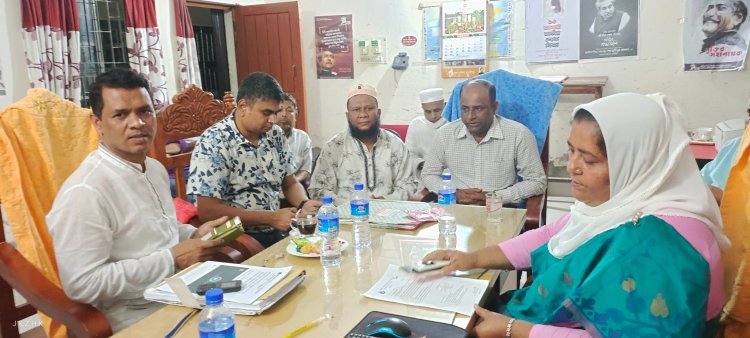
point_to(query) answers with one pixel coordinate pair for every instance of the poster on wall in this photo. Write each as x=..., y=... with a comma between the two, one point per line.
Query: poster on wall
x=431, y=25
x=333, y=47
x=464, y=43
x=552, y=31
x=608, y=28
x=500, y=28
x=715, y=34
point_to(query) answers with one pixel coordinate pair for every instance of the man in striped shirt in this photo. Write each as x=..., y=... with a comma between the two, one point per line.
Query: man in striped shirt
x=484, y=152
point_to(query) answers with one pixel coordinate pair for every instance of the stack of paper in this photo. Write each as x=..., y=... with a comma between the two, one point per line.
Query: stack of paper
x=261, y=287
x=387, y=212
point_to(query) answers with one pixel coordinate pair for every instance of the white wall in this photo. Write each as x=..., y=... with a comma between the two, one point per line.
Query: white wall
x=706, y=97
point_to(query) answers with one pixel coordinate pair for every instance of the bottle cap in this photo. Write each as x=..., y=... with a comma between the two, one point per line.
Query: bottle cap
x=358, y=186
x=214, y=296
x=327, y=199
x=446, y=176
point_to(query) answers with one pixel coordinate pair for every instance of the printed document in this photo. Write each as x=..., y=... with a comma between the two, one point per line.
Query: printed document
x=431, y=290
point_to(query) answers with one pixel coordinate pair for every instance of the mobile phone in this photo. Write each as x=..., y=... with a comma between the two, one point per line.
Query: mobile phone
x=227, y=286
x=428, y=266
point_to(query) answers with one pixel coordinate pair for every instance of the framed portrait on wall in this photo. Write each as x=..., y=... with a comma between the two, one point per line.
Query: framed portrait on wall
x=334, y=54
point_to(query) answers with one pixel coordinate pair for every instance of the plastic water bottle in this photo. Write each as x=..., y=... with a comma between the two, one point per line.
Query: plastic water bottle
x=328, y=228
x=217, y=321
x=447, y=202
x=360, y=217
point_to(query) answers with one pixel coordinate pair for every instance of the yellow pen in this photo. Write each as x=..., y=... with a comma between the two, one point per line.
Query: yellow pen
x=308, y=326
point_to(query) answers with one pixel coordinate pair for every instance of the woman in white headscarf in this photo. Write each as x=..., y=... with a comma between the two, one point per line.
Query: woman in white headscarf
x=638, y=254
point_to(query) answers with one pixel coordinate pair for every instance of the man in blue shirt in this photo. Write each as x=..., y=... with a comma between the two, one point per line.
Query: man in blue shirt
x=242, y=163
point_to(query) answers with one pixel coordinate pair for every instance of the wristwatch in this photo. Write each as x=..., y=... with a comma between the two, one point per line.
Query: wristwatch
x=302, y=204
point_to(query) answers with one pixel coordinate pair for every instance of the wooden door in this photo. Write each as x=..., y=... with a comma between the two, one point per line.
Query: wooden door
x=267, y=39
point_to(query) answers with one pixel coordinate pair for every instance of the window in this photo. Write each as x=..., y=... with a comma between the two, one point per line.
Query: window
x=102, y=40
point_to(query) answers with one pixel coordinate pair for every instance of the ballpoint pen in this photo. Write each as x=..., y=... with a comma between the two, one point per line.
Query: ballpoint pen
x=308, y=326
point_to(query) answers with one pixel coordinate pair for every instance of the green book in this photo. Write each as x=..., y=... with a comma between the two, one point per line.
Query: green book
x=228, y=231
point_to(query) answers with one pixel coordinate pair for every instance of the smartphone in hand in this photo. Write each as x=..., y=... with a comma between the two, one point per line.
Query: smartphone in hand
x=227, y=286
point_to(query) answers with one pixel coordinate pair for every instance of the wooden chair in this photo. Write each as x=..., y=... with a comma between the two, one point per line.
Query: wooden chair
x=16, y=272
x=190, y=113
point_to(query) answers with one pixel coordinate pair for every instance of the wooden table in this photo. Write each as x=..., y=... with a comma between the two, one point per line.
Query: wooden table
x=338, y=291
x=584, y=85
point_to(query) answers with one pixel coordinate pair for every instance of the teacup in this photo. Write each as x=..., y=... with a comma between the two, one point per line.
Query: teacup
x=305, y=224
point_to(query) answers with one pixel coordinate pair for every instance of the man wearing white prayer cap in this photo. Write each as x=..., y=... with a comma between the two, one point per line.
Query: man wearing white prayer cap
x=422, y=129
x=363, y=153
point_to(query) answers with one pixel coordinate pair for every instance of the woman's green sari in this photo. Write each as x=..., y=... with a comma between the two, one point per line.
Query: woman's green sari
x=637, y=280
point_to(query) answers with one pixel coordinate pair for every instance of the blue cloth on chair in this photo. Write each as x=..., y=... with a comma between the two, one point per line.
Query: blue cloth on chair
x=524, y=99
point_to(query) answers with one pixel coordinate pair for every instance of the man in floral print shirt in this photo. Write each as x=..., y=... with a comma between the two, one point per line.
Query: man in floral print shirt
x=242, y=163
x=363, y=153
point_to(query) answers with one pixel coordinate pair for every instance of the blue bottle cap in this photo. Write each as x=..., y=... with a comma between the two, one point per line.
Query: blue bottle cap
x=358, y=186
x=214, y=296
x=446, y=176
x=327, y=199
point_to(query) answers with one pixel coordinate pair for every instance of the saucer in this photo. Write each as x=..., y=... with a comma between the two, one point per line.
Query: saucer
x=292, y=249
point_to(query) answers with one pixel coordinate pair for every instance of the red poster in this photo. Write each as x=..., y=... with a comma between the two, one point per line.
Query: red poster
x=333, y=47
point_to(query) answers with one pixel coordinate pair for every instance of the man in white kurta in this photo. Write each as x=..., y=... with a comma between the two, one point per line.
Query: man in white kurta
x=112, y=223
x=363, y=153
x=298, y=141
x=421, y=133
x=113, y=226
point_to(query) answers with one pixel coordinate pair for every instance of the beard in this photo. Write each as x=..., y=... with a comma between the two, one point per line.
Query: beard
x=368, y=133
x=286, y=128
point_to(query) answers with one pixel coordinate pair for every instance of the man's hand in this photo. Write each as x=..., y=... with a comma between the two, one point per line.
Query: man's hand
x=191, y=251
x=458, y=260
x=470, y=196
x=208, y=226
x=311, y=207
x=373, y=197
x=282, y=218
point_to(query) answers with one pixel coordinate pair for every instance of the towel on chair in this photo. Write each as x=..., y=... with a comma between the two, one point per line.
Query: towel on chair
x=185, y=210
x=43, y=139
x=523, y=99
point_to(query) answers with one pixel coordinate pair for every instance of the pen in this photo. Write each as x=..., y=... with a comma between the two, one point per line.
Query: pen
x=308, y=326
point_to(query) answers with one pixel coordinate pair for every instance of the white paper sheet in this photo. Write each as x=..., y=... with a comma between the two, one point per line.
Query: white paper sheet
x=431, y=290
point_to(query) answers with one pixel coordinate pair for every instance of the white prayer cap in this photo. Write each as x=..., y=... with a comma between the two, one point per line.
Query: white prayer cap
x=431, y=95
x=362, y=89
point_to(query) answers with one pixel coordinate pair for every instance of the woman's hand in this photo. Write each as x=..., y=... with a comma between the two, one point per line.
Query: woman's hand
x=458, y=260
x=490, y=324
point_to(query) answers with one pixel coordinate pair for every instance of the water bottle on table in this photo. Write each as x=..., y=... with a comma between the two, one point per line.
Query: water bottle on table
x=447, y=203
x=328, y=229
x=216, y=321
x=360, y=208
